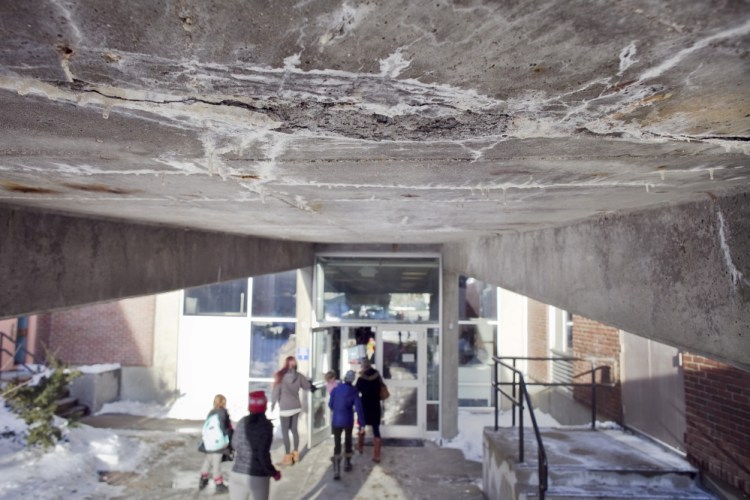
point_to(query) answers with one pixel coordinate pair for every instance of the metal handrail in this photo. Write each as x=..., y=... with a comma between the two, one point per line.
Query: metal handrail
x=592, y=384
x=4, y=336
x=541, y=453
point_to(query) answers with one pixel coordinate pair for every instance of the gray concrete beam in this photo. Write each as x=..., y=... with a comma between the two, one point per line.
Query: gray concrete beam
x=678, y=275
x=51, y=261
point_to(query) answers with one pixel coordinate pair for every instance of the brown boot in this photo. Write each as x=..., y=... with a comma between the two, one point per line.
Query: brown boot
x=295, y=456
x=288, y=459
x=376, y=444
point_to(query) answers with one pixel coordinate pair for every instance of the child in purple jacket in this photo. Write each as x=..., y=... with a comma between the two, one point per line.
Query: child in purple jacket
x=344, y=401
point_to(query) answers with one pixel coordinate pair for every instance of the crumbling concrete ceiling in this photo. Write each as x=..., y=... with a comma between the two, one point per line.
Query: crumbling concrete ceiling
x=413, y=122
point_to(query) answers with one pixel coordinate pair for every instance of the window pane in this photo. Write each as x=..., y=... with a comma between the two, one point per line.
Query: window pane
x=399, y=355
x=433, y=364
x=433, y=417
x=270, y=343
x=275, y=295
x=228, y=298
x=356, y=289
x=476, y=299
x=475, y=348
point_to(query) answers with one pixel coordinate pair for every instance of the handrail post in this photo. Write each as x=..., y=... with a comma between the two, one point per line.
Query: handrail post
x=496, y=388
x=520, y=413
x=593, y=396
x=513, y=403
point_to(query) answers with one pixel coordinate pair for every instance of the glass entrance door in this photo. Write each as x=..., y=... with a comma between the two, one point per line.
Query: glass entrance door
x=321, y=361
x=400, y=357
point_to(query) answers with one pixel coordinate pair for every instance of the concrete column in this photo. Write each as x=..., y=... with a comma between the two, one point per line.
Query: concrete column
x=449, y=348
x=50, y=261
x=679, y=275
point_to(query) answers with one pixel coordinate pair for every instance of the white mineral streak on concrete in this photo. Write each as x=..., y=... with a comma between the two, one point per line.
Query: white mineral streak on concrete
x=175, y=111
x=734, y=273
x=339, y=23
x=393, y=65
x=627, y=57
x=673, y=61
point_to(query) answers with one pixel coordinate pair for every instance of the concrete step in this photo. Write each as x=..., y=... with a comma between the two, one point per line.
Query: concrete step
x=622, y=492
x=564, y=476
x=73, y=411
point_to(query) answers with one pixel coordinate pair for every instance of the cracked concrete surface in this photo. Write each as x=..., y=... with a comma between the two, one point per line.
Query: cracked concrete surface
x=533, y=115
x=384, y=122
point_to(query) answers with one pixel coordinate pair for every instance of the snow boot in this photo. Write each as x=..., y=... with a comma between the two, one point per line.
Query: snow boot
x=221, y=488
x=203, y=482
x=295, y=456
x=336, y=459
x=288, y=459
x=348, y=462
x=376, y=445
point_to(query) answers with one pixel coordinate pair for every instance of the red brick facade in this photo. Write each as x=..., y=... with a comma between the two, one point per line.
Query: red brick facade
x=538, y=337
x=717, y=402
x=114, y=332
x=601, y=343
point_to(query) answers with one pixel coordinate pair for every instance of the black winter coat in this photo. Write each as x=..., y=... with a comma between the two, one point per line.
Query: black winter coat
x=252, y=446
x=368, y=385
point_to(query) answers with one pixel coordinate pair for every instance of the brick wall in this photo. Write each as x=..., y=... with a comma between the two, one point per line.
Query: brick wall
x=593, y=340
x=114, y=332
x=538, y=340
x=717, y=402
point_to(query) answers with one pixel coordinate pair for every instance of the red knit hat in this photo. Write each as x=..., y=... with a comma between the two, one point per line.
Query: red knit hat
x=258, y=402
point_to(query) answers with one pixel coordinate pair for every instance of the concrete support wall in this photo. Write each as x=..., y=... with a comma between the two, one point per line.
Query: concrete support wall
x=449, y=348
x=679, y=275
x=50, y=261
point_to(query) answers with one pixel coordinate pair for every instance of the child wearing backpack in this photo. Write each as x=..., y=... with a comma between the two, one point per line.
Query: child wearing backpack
x=215, y=442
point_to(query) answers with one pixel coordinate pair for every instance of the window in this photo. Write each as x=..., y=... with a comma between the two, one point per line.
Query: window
x=222, y=299
x=378, y=289
x=476, y=341
x=270, y=343
x=275, y=295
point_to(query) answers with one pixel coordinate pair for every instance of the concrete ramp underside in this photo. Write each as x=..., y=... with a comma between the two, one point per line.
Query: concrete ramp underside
x=585, y=464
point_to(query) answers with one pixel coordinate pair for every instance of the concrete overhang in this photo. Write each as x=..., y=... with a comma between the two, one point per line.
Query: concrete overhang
x=375, y=122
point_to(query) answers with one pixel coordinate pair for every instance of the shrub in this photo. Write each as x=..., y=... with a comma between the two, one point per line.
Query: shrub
x=36, y=402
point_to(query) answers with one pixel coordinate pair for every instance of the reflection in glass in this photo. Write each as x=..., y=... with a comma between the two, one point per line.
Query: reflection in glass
x=433, y=364
x=399, y=355
x=378, y=289
x=476, y=299
x=221, y=299
x=433, y=417
x=275, y=295
x=401, y=407
x=270, y=343
x=321, y=363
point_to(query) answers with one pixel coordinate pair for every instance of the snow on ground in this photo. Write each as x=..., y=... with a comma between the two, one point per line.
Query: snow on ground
x=70, y=469
x=471, y=424
x=67, y=470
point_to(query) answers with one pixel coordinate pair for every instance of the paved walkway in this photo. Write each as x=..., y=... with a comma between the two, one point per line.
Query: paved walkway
x=415, y=472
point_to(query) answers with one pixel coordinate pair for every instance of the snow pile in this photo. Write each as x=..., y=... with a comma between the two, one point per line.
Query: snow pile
x=151, y=410
x=69, y=469
x=471, y=424
x=101, y=368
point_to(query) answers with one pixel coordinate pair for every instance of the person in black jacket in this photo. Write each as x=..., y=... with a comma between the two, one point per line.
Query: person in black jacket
x=213, y=458
x=252, y=439
x=368, y=384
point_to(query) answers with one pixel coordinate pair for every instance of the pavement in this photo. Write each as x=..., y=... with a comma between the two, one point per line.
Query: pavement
x=405, y=472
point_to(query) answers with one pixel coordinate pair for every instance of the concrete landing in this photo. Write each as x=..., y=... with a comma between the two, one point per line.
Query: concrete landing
x=425, y=472
x=586, y=464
